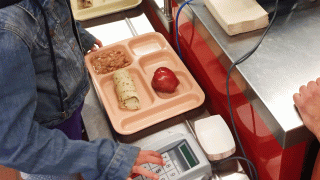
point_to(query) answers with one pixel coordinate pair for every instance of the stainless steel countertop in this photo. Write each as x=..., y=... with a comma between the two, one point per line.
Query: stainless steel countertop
x=116, y=27
x=287, y=58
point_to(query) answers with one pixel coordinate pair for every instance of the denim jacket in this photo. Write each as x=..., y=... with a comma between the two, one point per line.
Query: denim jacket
x=29, y=101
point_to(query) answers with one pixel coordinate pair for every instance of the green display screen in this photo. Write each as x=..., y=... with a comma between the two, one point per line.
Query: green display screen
x=188, y=155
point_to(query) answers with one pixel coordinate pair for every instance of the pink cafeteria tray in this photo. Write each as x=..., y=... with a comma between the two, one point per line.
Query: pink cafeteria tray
x=147, y=53
x=101, y=8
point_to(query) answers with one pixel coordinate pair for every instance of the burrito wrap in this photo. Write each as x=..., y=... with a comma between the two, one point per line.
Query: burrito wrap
x=86, y=3
x=126, y=90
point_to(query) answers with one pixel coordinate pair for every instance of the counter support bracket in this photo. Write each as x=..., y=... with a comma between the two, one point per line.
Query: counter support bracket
x=163, y=9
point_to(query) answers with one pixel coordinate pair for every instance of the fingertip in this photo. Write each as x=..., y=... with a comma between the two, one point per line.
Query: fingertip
x=312, y=85
x=164, y=162
x=296, y=95
x=155, y=153
x=303, y=89
x=156, y=177
x=296, y=98
x=318, y=81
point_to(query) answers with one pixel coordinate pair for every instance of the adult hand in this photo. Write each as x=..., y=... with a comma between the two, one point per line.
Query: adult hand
x=308, y=103
x=98, y=43
x=147, y=156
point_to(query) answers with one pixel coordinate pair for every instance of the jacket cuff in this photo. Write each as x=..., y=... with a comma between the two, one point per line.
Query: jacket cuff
x=124, y=159
x=87, y=41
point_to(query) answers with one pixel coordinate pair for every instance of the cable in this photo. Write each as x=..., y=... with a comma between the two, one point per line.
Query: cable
x=177, y=17
x=241, y=158
x=216, y=165
x=240, y=60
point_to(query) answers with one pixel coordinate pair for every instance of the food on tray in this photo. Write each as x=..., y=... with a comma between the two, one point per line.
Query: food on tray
x=164, y=80
x=86, y=3
x=126, y=90
x=109, y=61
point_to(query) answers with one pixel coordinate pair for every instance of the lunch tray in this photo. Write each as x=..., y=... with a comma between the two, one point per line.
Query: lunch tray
x=147, y=52
x=101, y=8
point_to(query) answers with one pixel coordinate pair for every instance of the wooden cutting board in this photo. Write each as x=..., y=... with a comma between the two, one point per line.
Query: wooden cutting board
x=238, y=16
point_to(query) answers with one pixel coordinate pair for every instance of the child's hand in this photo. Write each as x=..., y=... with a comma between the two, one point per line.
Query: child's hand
x=308, y=103
x=98, y=43
x=147, y=157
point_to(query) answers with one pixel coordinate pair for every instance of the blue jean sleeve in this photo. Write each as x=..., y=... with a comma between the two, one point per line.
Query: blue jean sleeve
x=27, y=146
x=87, y=39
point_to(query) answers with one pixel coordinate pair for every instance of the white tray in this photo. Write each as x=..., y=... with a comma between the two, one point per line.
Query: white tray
x=101, y=8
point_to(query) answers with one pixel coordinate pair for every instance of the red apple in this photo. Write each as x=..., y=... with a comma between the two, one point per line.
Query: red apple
x=164, y=80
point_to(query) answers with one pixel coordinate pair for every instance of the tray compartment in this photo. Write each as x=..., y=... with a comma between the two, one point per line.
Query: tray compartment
x=150, y=63
x=107, y=50
x=184, y=87
x=158, y=113
x=107, y=87
x=147, y=44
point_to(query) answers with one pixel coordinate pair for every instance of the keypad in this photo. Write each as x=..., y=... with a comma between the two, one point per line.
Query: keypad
x=168, y=172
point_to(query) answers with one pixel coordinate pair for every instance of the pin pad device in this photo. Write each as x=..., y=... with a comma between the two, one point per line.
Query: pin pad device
x=184, y=159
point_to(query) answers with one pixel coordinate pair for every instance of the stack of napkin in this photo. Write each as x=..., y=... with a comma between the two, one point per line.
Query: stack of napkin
x=238, y=16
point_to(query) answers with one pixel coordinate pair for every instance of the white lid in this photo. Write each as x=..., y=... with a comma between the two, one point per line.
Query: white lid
x=215, y=137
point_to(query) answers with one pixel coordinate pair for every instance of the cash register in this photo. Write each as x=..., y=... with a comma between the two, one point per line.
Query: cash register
x=187, y=156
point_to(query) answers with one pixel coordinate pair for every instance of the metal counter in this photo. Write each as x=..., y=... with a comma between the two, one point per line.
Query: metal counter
x=287, y=58
x=116, y=27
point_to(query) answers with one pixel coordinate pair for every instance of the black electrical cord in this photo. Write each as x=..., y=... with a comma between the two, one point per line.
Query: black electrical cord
x=242, y=59
x=241, y=158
